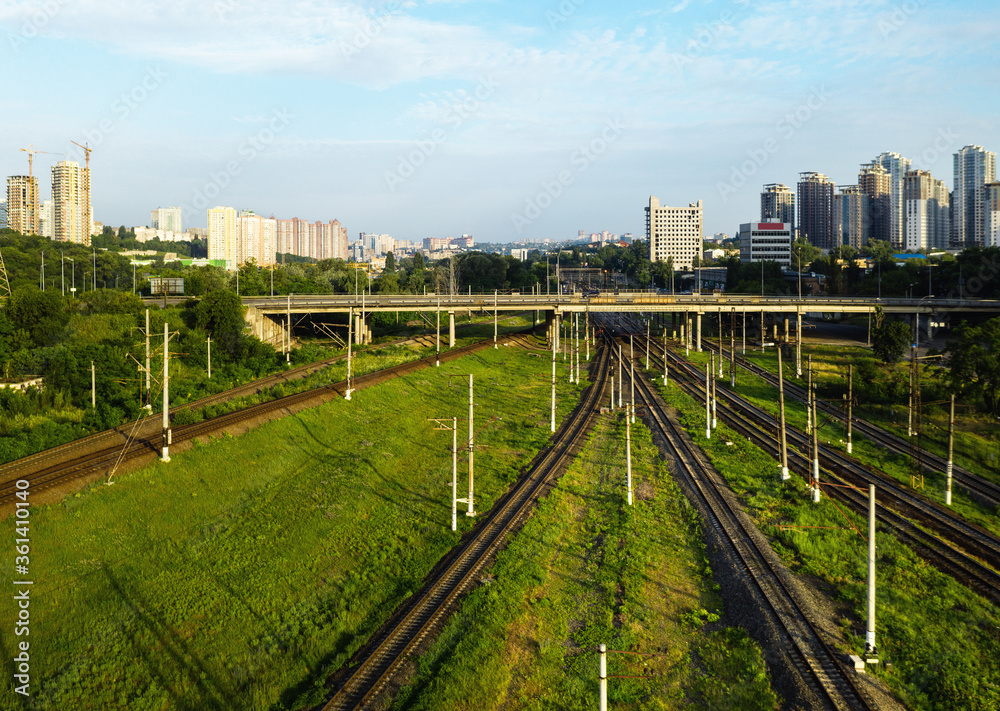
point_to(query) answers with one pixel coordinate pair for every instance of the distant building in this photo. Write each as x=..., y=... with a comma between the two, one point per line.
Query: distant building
x=777, y=204
x=22, y=204
x=928, y=211
x=851, y=215
x=992, y=191
x=815, y=209
x=196, y=232
x=974, y=168
x=45, y=226
x=144, y=234
x=166, y=218
x=3, y=214
x=71, y=214
x=520, y=254
x=435, y=244
x=463, y=242
x=875, y=183
x=766, y=241
x=674, y=232
x=896, y=167
x=222, y=235
x=255, y=239
x=317, y=240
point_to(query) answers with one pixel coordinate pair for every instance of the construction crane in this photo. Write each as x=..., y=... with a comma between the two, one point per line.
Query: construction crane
x=30, y=150
x=86, y=150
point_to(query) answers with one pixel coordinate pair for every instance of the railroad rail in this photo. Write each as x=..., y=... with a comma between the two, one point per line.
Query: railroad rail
x=961, y=555
x=424, y=613
x=818, y=663
x=978, y=487
x=89, y=455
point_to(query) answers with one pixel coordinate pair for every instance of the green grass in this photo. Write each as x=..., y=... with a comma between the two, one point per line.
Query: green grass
x=242, y=573
x=941, y=638
x=588, y=569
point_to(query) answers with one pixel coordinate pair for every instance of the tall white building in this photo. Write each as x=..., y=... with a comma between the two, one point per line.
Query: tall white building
x=993, y=215
x=222, y=235
x=674, y=232
x=896, y=166
x=22, y=204
x=45, y=215
x=928, y=211
x=70, y=211
x=974, y=168
x=166, y=218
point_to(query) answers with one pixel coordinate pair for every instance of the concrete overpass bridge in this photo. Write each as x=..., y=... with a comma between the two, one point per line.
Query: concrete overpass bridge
x=269, y=316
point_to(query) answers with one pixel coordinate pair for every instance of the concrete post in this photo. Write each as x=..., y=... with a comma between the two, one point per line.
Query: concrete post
x=798, y=344
x=553, y=424
x=664, y=356
x=93, y=386
x=708, y=403
x=871, y=650
x=437, y=337
x=451, y=329
x=783, y=444
x=697, y=343
x=209, y=357
x=632, y=377
x=472, y=510
x=850, y=404
x=809, y=397
x=647, y=344
x=350, y=324
x=149, y=395
x=494, y=318
x=165, y=454
x=628, y=450
x=951, y=447
x=715, y=402
x=621, y=381
x=815, y=433
x=744, y=350
x=603, y=677
x=454, y=473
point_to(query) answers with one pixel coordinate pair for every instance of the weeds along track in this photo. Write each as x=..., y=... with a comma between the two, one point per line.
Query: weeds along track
x=817, y=663
x=424, y=613
x=951, y=544
x=974, y=485
x=106, y=450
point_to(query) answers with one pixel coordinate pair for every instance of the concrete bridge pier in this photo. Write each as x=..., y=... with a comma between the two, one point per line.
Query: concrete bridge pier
x=697, y=343
x=451, y=329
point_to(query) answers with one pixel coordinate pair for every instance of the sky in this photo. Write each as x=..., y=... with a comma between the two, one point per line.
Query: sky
x=504, y=120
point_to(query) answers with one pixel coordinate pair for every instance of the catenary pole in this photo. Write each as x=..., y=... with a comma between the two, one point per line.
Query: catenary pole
x=472, y=434
x=871, y=650
x=165, y=454
x=781, y=410
x=951, y=446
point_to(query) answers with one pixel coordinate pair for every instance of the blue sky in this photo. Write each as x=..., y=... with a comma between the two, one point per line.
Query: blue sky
x=505, y=120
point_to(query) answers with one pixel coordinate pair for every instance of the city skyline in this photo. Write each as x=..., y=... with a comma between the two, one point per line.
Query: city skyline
x=509, y=122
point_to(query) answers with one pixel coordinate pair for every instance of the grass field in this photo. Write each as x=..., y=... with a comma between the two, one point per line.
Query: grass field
x=588, y=569
x=942, y=640
x=243, y=572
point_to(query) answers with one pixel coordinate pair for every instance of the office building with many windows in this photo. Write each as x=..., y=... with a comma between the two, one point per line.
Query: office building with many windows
x=766, y=241
x=815, y=199
x=974, y=168
x=928, y=212
x=777, y=204
x=674, y=233
x=893, y=216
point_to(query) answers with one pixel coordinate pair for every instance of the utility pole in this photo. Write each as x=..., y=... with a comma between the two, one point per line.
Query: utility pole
x=708, y=403
x=664, y=355
x=603, y=676
x=951, y=446
x=715, y=401
x=612, y=388
x=494, y=318
x=288, y=320
x=809, y=398
x=165, y=456
x=632, y=383
x=628, y=451
x=815, y=443
x=850, y=403
x=454, y=473
x=93, y=386
x=350, y=337
x=553, y=424
x=647, y=344
x=798, y=344
x=149, y=395
x=472, y=434
x=871, y=650
x=209, y=357
x=785, y=476
x=732, y=356
x=437, y=336
x=913, y=368
x=576, y=332
x=621, y=380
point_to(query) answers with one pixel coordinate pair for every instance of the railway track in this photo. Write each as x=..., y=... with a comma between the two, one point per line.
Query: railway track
x=958, y=548
x=88, y=456
x=818, y=663
x=425, y=612
x=976, y=486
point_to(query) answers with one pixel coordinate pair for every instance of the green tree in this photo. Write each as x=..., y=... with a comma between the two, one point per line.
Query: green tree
x=221, y=314
x=390, y=263
x=974, y=368
x=803, y=254
x=889, y=338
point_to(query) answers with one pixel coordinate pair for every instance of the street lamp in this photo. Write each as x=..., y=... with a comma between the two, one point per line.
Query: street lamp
x=41, y=276
x=95, y=268
x=73, y=290
x=909, y=294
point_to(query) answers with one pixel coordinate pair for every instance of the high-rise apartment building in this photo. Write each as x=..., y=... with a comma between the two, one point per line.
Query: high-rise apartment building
x=851, y=210
x=974, y=168
x=815, y=199
x=992, y=191
x=71, y=215
x=876, y=183
x=22, y=204
x=255, y=239
x=928, y=211
x=222, y=235
x=674, y=232
x=896, y=166
x=777, y=203
x=166, y=218
x=3, y=214
x=318, y=240
x=46, y=228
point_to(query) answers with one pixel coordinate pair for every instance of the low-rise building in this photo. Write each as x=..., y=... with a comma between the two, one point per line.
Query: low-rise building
x=766, y=241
